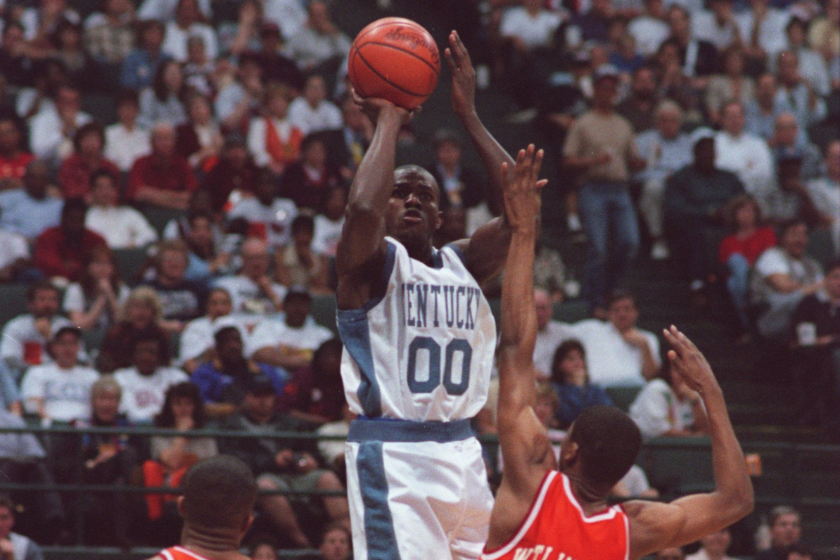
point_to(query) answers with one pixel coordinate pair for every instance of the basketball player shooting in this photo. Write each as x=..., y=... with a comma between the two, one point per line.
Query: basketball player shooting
x=543, y=514
x=217, y=507
x=419, y=339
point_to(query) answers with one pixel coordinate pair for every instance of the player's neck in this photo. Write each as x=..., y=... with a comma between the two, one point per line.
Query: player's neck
x=420, y=252
x=219, y=546
x=591, y=497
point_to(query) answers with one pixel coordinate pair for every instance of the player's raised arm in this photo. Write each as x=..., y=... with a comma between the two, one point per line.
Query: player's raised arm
x=655, y=526
x=361, y=249
x=486, y=251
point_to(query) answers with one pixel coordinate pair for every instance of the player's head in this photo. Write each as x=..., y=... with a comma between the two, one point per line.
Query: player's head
x=218, y=499
x=413, y=213
x=601, y=446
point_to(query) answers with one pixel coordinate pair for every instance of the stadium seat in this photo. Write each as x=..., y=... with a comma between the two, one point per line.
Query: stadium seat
x=323, y=311
x=12, y=301
x=623, y=397
x=678, y=466
x=129, y=262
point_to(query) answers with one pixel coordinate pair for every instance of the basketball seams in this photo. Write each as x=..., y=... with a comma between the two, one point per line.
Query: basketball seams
x=391, y=46
x=352, y=71
x=386, y=80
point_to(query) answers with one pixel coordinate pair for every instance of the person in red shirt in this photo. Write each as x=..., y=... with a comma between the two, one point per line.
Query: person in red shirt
x=547, y=511
x=740, y=250
x=162, y=178
x=13, y=159
x=63, y=250
x=87, y=157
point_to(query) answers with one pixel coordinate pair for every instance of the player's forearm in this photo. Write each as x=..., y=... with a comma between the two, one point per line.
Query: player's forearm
x=518, y=317
x=492, y=154
x=374, y=179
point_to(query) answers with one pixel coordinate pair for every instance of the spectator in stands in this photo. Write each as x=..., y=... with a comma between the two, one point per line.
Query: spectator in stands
x=206, y=258
x=312, y=112
x=25, y=337
x=667, y=406
x=319, y=42
x=601, y=146
x=666, y=151
x=93, y=302
x=593, y=24
x=328, y=225
x=824, y=32
x=13, y=157
x=335, y=543
x=783, y=276
x=253, y=293
x=269, y=216
x=87, y=158
x=121, y=226
x=162, y=101
x=740, y=250
x=274, y=59
x=200, y=139
x=172, y=456
x=760, y=113
x=356, y=136
x=823, y=191
x=60, y=391
x=199, y=70
x=697, y=57
x=316, y=392
x=640, y=105
x=165, y=10
x=272, y=139
x=731, y=84
x=109, y=37
x=197, y=339
x=298, y=264
x=141, y=312
x=289, y=342
x=460, y=185
x=182, y=300
x=12, y=545
x=279, y=464
x=53, y=129
x=224, y=379
x=716, y=25
x=188, y=22
x=15, y=65
x=649, y=28
x=762, y=31
x=795, y=94
x=63, y=250
x=789, y=142
x=31, y=210
x=15, y=259
x=799, y=552
x=550, y=334
x=785, y=531
x=140, y=67
x=145, y=383
x=235, y=172
x=713, y=547
x=70, y=50
x=163, y=178
x=240, y=100
x=307, y=180
x=332, y=451
x=812, y=66
x=673, y=553
x=570, y=381
x=695, y=199
x=814, y=337
x=619, y=354
x=742, y=153
x=125, y=140
x=789, y=198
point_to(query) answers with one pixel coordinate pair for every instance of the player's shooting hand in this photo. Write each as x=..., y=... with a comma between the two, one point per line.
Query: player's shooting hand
x=522, y=188
x=375, y=107
x=463, y=75
x=689, y=361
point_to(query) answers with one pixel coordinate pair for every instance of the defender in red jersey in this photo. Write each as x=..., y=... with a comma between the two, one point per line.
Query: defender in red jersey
x=543, y=514
x=217, y=507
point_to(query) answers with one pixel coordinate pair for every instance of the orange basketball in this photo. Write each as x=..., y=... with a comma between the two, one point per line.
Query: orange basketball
x=394, y=59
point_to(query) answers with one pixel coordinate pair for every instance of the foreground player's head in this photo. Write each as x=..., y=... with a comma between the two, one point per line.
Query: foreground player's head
x=413, y=213
x=601, y=446
x=218, y=499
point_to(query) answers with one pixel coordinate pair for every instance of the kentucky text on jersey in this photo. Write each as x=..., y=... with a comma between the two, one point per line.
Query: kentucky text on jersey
x=432, y=305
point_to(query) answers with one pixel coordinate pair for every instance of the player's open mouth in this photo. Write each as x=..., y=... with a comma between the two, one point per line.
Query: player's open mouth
x=413, y=217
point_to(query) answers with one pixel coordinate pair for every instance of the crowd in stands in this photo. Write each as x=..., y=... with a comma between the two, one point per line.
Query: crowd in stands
x=223, y=170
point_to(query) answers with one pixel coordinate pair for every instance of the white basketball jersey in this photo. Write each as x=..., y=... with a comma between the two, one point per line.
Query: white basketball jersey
x=422, y=349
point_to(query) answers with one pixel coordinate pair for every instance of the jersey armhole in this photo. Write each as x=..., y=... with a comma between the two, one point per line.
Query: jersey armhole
x=458, y=252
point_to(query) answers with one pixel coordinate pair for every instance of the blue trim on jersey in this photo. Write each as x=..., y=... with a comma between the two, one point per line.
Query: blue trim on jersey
x=395, y=430
x=458, y=252
x=379, y=525
x=354, y=331
x=437, y=259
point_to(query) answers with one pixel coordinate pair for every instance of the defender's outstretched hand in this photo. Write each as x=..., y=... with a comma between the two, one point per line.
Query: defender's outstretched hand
x=689, y=361
x=463, y=75
x=522, y=188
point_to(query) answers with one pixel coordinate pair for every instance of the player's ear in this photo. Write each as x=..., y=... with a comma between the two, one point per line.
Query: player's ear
x=439, y=221
x=180, y=503
x=247, y=524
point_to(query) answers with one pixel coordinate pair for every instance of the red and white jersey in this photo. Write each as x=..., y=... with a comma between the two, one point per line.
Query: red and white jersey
x=180, y=553
x=556, y=528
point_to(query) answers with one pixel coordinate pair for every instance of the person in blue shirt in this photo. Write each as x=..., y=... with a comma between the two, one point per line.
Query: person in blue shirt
x=139, y=67
x=571, y=381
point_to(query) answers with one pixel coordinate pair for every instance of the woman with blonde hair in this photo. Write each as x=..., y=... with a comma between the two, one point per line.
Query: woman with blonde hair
x=142, y=311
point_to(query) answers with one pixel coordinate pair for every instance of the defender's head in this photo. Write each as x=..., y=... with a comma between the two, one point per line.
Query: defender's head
x=413, y=213
x=601, y=446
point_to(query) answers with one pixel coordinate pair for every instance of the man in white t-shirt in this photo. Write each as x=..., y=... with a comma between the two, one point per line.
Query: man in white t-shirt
x=122, y=227
x=549, y=334
x=617, y=353
x=650, y=29
x=144, y=384
x=60, y=390
x=311, y=112
x=25, y=337
x=252, y=291
x=716, y=25
x=328, y=225
x=269, y=216
x=742, y=153
x=14, y=255
x=529, y=26
x=291, y=340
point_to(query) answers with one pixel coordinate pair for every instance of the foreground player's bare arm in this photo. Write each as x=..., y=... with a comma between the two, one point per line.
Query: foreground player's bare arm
x=654, y=526
x=524, y=441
